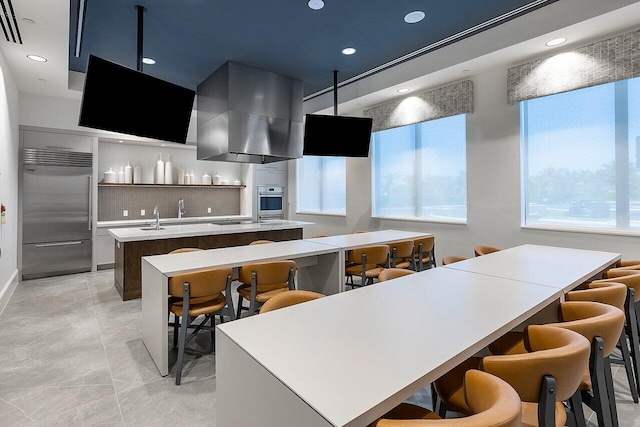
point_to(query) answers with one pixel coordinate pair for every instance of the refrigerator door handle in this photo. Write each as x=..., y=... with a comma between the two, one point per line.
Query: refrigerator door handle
x=47, y=245
x=90, y=202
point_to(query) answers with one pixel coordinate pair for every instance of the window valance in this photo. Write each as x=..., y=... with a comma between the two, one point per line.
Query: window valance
x=434, y=104
x=606, y=61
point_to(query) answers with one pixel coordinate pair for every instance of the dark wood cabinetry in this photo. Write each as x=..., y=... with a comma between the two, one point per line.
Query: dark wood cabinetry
x=128, y=255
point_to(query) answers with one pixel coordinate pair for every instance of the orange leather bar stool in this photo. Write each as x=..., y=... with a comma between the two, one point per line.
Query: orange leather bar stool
x=614, y=294
x=367, y=262
x=492, y=401
x=263, y=280
x=319, y=235
x=484, y=250
x=173, y=299
x=394, y=273
x=548, y=372
x=601, y=324
x=631, y=279
x=425, y=253
x=450, y=259
x=203, y=292
x=402, y=254
x=286, y=299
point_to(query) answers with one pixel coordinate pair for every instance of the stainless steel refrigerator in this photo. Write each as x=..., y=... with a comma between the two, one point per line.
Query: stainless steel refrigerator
x=56, y=212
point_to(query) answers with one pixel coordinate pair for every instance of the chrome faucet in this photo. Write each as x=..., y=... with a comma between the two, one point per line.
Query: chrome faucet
x=156, y=212
x=181, y=210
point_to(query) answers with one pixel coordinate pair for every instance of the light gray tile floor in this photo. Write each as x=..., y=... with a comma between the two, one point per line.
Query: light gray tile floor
x=71, y=354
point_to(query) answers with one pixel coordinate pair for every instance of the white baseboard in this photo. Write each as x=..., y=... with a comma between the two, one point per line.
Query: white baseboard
x=7, y=290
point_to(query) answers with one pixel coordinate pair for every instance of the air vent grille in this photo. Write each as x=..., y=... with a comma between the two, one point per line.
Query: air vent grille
x=9, y=22
x=33, y=156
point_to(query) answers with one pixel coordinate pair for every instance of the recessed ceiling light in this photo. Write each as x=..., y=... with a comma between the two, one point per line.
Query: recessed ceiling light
x=403, y=90
x=316, y=4
x=148, y=61
x=37, y=58
x=348, y=51
x=28, y=21
x=556, y=42
x=413, y=17
x=120, y=142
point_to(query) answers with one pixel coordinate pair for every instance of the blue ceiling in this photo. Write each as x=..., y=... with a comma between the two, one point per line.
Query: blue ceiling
x=190, y=39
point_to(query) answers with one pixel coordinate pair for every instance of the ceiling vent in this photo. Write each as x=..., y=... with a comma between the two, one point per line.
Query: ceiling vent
x=9, y=23
x=249, y=115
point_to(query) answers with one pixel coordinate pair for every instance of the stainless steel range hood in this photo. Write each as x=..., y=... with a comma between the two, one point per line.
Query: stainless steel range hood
x=249, y=115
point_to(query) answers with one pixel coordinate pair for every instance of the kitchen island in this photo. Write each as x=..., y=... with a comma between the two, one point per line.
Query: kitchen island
x=133, y=243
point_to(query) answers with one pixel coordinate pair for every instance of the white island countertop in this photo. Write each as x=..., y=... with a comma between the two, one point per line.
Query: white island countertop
x=134, y=234
x=186, y=220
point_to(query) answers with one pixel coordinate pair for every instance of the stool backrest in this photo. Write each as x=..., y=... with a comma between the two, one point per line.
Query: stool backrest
x=393, y=273
x=376, y=254
x=484, y=250
x=268, y=273
x=286, y=299
x=630, y=280
x=202, y=283
x=450, y=259
x=610, y=293
x=185, y=250
x=593, y=319
x=562, y=353
x=404, y=248
x=260, y=242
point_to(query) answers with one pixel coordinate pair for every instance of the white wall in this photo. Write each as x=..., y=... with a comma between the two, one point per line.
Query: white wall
x=9, y=100
x=493, y=185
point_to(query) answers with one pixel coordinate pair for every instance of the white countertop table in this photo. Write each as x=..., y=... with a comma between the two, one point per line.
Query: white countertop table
x=346, y=359
x=319, y=266
x=561, y=268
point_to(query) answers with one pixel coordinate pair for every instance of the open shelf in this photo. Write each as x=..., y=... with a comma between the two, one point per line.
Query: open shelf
x=100, y=184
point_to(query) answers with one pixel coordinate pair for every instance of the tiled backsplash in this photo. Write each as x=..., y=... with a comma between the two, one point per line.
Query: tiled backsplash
x=114, y=200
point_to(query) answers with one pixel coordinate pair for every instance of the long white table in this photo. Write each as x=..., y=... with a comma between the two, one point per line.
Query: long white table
x=346, y=359
x=561, y=268
x=320, y=265
x=320, y=269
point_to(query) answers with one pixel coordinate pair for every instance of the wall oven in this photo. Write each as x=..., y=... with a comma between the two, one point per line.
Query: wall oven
x=270, y=203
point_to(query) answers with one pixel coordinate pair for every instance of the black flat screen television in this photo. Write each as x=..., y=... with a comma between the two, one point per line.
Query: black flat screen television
x=336, y=136
x=119, y=99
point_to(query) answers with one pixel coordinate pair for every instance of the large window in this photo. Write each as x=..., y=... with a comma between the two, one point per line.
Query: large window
x=322, y=185
x=420, y=171
x=581, y=165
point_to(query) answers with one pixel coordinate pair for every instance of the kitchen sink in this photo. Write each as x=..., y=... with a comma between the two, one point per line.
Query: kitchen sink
x=150, y=228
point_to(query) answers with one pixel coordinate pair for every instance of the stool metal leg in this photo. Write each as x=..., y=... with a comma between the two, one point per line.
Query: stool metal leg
x=611, y=394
